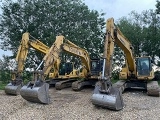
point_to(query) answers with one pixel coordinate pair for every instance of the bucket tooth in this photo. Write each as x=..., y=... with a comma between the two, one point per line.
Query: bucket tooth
x=36, y=93
x=112, y=100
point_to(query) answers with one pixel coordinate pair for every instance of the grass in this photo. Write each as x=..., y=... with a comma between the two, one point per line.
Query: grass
x=158, y=82
x=114, y=81
x=2, y=85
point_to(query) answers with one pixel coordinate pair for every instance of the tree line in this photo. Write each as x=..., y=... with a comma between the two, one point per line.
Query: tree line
x=46, y=19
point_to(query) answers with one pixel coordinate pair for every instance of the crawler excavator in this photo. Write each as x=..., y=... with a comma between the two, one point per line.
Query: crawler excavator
x=38, y=91
x=16, y=83
x=73, y=49
x=91, y=69
x=134, y=75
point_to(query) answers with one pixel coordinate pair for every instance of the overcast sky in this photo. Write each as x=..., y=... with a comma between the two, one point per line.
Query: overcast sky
x=119, y=8
x=114, y=8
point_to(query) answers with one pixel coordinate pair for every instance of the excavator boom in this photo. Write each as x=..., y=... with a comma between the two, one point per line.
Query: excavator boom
x=105, y=94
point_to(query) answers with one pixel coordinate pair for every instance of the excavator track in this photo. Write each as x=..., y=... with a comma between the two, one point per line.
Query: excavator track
x=78, y=85
x=153, y=89
x=121, y=85
x=64, y=84
x=151, y=86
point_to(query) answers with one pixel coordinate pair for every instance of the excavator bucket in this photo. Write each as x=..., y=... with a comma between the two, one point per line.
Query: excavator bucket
x=37, y=92
x=112, y=100
x=13, y=88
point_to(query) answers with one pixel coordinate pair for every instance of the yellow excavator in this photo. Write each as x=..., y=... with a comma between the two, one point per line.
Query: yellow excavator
x=66, y=72
x=37, y=91
x=138, y=72
x=73, y=49
x=16, y=83
x=89, y=73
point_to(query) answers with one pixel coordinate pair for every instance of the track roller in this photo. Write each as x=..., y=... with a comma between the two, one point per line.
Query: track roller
x=64, y=84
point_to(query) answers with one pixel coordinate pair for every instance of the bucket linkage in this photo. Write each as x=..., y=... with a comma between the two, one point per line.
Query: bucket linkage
x=105, y=95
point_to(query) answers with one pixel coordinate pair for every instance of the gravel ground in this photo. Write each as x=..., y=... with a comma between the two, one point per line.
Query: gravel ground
x=69, y=105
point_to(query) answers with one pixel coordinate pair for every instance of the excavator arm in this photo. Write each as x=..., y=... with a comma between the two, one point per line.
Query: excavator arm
x=105, y=94
x=16, y=83
x=52, y=58
x=73, y=77
x=126, y=46
x=25, y=44
x=73, y=49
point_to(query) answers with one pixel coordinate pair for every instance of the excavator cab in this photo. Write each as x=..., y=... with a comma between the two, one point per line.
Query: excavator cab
x=65, y=68
x=96, y=67
x=144, y=66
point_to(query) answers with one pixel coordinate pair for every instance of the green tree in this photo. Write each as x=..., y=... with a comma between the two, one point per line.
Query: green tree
x=131, y=28
x=151, y=31
x=158, y=7
x=142, y=31
x=5, y=69
x=45, y=19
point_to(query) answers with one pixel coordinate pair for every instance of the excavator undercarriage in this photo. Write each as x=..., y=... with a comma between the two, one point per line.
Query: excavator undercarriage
x=151, y=87
x=67, y=75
